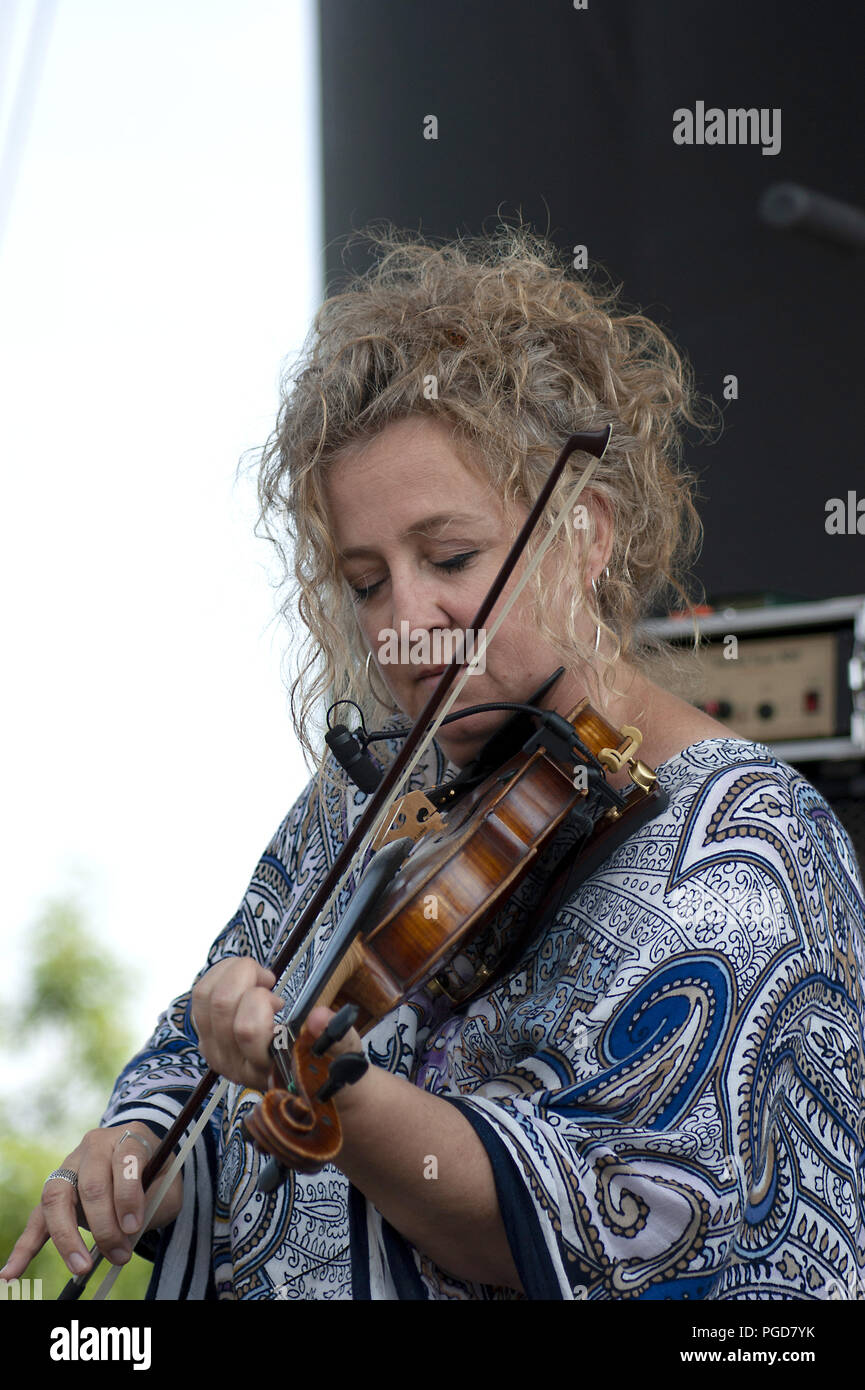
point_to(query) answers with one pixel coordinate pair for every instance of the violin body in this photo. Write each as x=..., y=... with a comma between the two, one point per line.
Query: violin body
x=455, y=880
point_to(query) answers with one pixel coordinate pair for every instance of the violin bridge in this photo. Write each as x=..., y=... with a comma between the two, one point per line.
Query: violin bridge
x=409, y=817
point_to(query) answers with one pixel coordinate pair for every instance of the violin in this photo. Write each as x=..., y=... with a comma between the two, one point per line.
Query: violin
x=443, y=879
x=462, y=851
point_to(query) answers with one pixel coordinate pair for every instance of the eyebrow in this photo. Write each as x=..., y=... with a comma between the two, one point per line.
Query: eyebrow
x=428, y=526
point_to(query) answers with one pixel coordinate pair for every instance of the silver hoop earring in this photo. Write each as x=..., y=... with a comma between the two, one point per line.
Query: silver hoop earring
x=388, y=702
x=597, y=625
x=625, y=571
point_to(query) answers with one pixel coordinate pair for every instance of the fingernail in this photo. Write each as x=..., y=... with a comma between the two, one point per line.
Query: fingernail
x=78, y=1263
x=119, y=1256
x=3, y=1271
x=129, y=1223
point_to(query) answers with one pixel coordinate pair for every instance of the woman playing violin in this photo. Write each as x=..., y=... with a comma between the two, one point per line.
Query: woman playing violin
x=663, y=1097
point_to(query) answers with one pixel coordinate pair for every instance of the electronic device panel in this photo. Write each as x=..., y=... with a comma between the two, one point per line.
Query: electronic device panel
x=790, y=676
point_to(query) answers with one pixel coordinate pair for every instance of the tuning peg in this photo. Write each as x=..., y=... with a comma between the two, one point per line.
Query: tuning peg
x=344, y=1071
x=336, y=1029
x=272, y=1175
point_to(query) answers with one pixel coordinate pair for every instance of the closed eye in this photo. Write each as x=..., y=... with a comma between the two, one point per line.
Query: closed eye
x=456, y=562
x=363, y=594
x=452, y=565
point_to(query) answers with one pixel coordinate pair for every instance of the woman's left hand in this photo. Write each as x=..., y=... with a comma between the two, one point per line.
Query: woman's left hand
x=233, y=1008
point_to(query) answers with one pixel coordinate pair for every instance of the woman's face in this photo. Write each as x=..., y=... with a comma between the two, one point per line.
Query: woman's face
x=421, y=539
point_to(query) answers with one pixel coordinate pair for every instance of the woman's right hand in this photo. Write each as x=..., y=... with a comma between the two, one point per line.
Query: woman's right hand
x=109, y=1201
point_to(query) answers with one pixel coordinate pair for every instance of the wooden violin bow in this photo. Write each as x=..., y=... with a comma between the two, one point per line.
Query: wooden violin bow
x=594, y=442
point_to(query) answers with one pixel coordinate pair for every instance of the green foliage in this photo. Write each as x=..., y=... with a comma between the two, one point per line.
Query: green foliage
x=75, y=995
x=71, y=1007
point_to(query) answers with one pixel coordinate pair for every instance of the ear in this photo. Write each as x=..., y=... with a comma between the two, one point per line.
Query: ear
x=601, y=532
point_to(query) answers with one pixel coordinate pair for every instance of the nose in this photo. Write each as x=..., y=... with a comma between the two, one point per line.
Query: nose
x=418, y=599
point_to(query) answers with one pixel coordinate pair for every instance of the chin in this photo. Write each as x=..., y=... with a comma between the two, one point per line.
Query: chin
x=461, y=742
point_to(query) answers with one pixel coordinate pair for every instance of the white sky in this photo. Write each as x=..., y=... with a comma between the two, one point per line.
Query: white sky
x=159, y=263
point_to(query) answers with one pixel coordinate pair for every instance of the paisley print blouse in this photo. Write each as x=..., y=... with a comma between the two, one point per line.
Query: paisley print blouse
x=669, y=1084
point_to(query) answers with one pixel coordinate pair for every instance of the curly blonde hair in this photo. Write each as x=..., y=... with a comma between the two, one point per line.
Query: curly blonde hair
x=522, y=353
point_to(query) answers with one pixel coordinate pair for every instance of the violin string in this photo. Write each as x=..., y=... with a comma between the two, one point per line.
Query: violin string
x=279, y=1058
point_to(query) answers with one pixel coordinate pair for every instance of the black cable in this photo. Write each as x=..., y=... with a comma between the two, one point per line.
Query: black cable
x=346, y=702
x=549, y=717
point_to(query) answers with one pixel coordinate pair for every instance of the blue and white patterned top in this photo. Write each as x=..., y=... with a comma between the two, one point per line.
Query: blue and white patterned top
x=669, y=1086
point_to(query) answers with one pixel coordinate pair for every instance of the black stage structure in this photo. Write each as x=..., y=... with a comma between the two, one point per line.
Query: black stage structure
x=566, y=116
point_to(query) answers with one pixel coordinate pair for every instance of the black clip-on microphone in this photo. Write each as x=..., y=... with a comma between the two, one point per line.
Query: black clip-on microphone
x=361, y=767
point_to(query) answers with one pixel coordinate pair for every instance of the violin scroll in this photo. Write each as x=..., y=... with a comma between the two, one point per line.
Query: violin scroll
x=299, y=1127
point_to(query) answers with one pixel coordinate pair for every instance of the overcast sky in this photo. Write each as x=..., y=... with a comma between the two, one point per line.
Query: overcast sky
x=159, y=262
